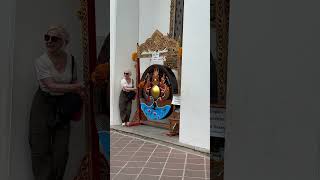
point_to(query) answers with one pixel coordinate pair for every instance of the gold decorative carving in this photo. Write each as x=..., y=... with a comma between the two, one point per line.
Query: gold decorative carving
x=176, y=19
x=222, y=29
x=172, y=17
x=159, y=42
x=84, y=171
x=83, y=16
x=86, y=165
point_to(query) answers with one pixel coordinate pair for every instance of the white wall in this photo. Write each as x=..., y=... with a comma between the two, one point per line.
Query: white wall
x=124, y=36
x=153, y=15
x=195, y=77
x=7, y=13
x=32, y=20
x=102, y=10
x=273, y=127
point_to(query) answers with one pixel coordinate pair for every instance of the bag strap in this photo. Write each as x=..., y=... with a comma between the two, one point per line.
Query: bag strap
x=132, y=83
x=72, y=68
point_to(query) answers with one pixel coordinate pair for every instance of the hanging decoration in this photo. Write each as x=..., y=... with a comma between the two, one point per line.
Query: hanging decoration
x=134, y=56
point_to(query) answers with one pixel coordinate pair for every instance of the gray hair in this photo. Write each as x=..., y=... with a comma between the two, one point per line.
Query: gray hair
x=61, y=31
x=129, y=71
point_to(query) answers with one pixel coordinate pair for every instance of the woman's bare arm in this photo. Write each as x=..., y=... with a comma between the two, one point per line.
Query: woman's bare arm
x=129, y=89
x=61, y=88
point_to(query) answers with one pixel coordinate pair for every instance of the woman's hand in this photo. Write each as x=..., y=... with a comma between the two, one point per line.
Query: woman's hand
x=82, y=94
x=78, y=86
x=80, y=89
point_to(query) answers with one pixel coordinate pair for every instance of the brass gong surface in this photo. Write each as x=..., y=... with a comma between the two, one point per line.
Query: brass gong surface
x=155, y=91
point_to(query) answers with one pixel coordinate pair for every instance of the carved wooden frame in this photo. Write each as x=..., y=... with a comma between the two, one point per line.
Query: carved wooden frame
x=172, y=26
x=220, y=21
x=159, y=42
x=93, y=164
x=172, y=17
x=222, y=28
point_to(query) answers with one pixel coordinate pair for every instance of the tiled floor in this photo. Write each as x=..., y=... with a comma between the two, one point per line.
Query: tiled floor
x=154, y=133
x=137, y=159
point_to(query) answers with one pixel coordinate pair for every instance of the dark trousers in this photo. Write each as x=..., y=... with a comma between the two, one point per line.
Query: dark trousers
x=125, y=107
x=49, y=145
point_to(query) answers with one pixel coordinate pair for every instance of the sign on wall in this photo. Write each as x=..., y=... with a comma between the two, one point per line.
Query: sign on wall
x=217, y=117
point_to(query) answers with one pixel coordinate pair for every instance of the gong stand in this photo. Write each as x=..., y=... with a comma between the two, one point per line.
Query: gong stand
x=220, y=21
x=157, y=43
x=93, y=165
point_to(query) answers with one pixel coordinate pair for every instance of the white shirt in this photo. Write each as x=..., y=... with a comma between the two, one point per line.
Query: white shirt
x=45, y=69
x=124, y=83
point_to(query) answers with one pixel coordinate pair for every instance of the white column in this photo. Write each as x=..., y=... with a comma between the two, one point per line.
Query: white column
x=7, y=17
x=273, y=127
x=124, y=37
x=154, y=15
x=195, y=79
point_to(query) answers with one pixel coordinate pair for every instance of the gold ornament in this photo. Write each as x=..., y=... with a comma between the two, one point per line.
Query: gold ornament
x=155, y=92
x=134, y=56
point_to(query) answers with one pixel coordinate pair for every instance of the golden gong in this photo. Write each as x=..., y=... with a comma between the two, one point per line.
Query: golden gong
x=155, y=91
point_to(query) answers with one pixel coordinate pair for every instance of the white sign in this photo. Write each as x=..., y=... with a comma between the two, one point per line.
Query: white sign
x=176, y=100
x=156, y=59
x=217, y=118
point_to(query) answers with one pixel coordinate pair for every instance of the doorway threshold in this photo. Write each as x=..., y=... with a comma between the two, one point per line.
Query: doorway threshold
x=158, y=135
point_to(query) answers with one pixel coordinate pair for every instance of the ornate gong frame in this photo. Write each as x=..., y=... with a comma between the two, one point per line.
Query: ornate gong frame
x=176, y=30
x=221, y=23
x=157, y=42
x=93, y=166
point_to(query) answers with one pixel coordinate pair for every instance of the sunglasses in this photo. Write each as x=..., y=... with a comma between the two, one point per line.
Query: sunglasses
x=126, y=73
x=53, y=38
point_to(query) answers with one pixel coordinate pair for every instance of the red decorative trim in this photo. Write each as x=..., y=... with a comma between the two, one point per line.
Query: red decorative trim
x=94, y=143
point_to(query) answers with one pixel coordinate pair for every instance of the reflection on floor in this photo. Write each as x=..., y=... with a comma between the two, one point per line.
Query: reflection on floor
x=157, y=134
x=140, y=159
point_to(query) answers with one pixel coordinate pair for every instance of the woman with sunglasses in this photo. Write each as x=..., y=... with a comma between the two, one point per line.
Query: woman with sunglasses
x=125, y=101
x=49, y=132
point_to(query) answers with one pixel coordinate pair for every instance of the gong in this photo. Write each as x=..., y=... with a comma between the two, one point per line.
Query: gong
x=157, y=86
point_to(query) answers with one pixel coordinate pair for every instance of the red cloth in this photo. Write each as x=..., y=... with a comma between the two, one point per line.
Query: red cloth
x=76, y=116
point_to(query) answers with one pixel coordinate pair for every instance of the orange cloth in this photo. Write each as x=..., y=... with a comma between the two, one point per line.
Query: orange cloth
x=100, y=73
x=134, y=56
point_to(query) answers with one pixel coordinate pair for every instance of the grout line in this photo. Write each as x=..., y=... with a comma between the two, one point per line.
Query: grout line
x=146, y=162
x=135, y=153
x=124, y=164
x=205, y=169
x=165, y=164
x=186, y=146
x=125, y=147
x=194, y=164
x=154, y=152
x=163, y=145
x=184, y=169
x=194, y=170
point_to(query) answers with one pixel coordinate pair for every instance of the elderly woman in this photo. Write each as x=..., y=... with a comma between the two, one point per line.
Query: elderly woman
x=49, y=130
x=126, y=96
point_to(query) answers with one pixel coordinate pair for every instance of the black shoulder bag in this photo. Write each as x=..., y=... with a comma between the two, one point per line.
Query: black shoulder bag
x=70, y=102
x=131, y=94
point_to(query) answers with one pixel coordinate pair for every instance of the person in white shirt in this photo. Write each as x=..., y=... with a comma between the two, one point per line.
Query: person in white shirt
x=48, y=133
x=126, y=96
